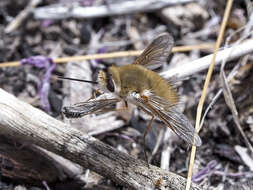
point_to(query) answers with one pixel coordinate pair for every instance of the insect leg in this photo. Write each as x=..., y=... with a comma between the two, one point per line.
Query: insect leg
x=144, y=137
x=145, y=98
x=94, y=94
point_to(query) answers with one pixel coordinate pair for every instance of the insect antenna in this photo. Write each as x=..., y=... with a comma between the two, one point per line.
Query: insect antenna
x=74, y=79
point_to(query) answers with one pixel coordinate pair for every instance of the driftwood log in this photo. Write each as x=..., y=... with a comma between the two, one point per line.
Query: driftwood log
x=23, y=122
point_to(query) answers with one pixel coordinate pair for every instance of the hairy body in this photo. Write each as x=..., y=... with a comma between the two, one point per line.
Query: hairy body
x=136, y=78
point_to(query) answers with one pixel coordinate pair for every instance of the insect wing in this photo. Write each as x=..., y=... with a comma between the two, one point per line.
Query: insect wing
x=157, y=52
x=85, y=108
x=170, y=115
x=178, y=122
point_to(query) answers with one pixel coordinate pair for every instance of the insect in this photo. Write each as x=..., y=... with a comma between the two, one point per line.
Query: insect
x=158, y=182
x=146, y=89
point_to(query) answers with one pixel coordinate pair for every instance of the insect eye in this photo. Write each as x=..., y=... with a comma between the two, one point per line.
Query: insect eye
x=109, y=83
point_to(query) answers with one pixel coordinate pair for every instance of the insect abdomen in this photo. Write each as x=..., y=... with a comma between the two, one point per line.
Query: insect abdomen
x=161, y=87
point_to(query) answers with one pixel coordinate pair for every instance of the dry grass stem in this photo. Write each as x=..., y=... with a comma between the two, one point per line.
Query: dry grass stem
x=112, y=55
x=203, y=95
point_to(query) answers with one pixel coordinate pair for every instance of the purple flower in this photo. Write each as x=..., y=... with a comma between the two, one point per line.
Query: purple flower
x=47, y=23
x=101, y=50
x=205, y=171
x=44, y=88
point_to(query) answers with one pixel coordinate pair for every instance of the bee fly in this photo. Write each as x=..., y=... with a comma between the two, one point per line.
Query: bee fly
x=136, y=84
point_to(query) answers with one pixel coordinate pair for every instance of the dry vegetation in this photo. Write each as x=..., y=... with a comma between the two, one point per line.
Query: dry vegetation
x=225, y=159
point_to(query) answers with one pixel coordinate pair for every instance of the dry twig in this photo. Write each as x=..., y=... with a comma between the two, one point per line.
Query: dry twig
x=21, y=16
x=231, y=104
x=243, y=152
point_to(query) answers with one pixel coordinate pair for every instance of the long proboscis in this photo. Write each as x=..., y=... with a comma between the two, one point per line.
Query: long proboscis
x=74, y=79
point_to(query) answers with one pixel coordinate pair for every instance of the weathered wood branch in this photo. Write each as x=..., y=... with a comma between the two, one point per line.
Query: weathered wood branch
x=25, y=123
x=61, y=11
x=187, y=69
